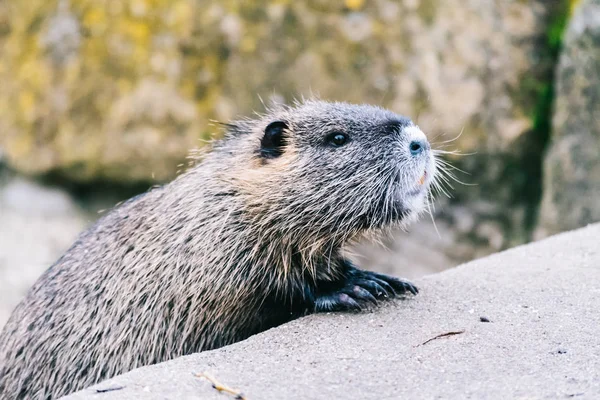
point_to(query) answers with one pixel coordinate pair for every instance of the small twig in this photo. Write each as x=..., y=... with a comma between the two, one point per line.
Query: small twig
x=110, y=389
x=238, y=395
x=442, y=335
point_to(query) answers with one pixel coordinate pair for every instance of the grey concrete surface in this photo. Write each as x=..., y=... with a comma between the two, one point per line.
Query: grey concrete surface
x=542, y=341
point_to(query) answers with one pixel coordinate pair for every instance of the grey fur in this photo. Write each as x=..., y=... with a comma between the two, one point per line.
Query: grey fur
x=236, y=245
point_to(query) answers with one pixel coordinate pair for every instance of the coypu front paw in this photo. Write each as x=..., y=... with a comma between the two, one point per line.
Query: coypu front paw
x=360, y=290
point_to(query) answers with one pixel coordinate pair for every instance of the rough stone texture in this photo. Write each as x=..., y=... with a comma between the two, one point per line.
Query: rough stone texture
x=37, y=224
x=572, y=166
x=90, y=82
x=542, y=342
x=121, y=90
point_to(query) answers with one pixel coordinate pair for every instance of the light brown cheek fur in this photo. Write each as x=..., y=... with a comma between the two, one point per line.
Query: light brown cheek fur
x=261, y=172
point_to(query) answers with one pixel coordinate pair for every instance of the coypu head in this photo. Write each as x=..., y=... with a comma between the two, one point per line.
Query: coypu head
x=321, y=171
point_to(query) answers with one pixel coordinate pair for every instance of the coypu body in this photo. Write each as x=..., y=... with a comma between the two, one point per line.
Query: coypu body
x=246, y=240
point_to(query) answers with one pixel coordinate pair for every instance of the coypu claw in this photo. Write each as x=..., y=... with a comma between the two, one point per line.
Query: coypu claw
x=400, y=286
x=361, y=290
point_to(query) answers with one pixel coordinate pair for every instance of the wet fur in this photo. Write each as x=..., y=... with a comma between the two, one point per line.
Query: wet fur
x=234, y=246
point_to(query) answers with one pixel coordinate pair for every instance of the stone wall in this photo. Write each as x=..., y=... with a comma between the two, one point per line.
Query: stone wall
x=572, y=165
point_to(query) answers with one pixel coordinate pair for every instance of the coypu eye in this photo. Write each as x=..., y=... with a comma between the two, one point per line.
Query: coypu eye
x=337, y=139
x=274, y=140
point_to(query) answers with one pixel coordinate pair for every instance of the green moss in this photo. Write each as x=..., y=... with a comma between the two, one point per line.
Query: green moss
x=541, y=113
x=427, y=10
x=545, y=90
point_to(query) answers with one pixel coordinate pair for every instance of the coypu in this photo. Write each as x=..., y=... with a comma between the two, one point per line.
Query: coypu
x=247, y=239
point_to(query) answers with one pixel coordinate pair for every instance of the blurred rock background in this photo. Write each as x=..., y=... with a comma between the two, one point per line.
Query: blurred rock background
x=101, y=99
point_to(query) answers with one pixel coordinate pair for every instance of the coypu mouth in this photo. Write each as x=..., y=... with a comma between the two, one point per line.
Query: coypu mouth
x=422, y=180
x=420, y=185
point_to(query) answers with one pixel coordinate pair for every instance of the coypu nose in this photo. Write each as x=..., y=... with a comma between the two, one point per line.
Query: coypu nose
x=417, y=147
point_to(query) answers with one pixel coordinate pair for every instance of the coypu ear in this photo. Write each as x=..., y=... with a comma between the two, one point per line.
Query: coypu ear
x=274, y=140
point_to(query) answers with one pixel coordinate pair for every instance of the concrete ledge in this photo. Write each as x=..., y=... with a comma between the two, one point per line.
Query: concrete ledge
x=543, y=341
